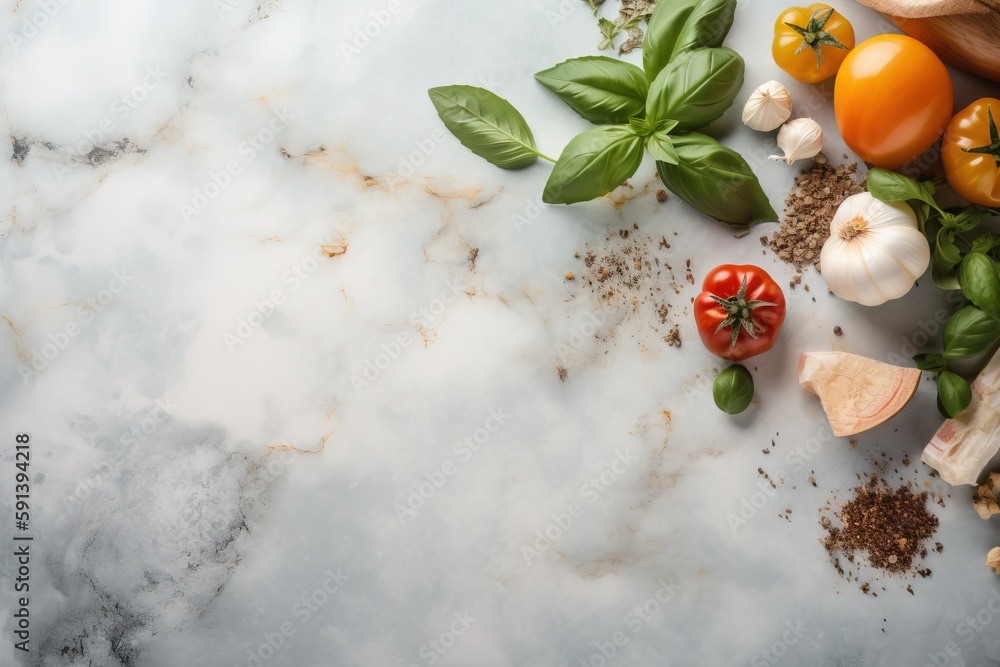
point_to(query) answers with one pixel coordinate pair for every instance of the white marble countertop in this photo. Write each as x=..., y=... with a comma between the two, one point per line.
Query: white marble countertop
x=288, y=355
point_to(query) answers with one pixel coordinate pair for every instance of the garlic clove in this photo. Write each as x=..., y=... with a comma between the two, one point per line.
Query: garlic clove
x=769, y=106
x=800, y=139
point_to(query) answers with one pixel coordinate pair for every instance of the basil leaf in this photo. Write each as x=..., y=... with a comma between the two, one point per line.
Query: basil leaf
x=696, y=88
x=986, y=243
x=486, y=124
x=677, y=26
x=593, y=164
x=981, y=283
x=707, y=25
x=954, y=393
x=969, y=332
x=932, y=363
x=889, y=186
x=946, y=257
x=716, y=181
x=600, y=89
x=661, y=146
x=662, y=31
x=733, y=389
x=961, y=222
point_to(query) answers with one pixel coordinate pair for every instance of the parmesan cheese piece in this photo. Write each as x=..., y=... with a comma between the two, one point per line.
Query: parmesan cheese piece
x=964, y=445
x=857, y=393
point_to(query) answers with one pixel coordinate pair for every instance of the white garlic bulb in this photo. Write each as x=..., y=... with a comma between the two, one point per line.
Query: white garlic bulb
x=875, y=251
x=800, y=139
x=768, y=107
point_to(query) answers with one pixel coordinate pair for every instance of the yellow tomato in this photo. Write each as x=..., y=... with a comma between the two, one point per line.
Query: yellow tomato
x=971, y=152
x=811, y=42
x=893, y=98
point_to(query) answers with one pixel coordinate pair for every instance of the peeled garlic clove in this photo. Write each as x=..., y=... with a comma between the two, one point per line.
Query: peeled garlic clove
x=800, y=139
x=768, y=107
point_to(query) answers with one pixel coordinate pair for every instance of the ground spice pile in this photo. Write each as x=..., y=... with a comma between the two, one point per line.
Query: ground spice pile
x=890, y=526
x=809, y=207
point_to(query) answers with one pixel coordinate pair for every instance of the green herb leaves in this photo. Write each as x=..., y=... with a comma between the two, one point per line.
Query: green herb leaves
x=688, y=81
x=954, y=393
x=973, y=329
x=733, y=389
x=696, y=88
x=981, y=283
x=600, y=89
x=715, y=180
x=969, y=332
x=593, y=164
x=486, y=124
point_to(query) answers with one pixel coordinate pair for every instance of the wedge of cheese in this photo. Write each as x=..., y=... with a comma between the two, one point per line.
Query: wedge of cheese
x=964, y=445
x=857, y=393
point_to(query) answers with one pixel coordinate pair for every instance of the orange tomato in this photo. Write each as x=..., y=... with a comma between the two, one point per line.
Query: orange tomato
x=971, y=152
x=811, y=42
x=893, y=98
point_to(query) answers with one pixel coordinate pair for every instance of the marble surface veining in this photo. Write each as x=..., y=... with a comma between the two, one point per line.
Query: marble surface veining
x=306, y=383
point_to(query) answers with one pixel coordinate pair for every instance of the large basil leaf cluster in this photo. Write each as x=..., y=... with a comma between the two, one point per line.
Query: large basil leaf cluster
x=688, y=80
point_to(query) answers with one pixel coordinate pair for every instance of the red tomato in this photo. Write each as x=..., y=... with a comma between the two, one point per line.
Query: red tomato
x=893, y=98
x=739, y=312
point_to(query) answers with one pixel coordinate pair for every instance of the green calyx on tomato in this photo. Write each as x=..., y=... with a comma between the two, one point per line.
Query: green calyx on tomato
x=814, y=37
x=992, y=148
x=740, y=312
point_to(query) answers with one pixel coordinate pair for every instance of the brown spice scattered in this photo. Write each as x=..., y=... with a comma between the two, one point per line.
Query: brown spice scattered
x=837, y=331
x=673, y=339
x=569, y=275
x=661, y=196
x=809, y=207
x=890, y=526
x=563, y=373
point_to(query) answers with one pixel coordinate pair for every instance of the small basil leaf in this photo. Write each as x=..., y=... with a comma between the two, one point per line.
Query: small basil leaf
x=716, y=181
x=600, y=89
x=969, y=332
x=663, y=30
x=890, y=186
x=661, y=146
x=593, y=164
x=946, y=257
x=981, y=283
x=986, y=243
x=696, y=88
x=733, y=389
x=954, y=393
x=932, y=363
x=707, y=25
x=486, y=124
x=641, y=126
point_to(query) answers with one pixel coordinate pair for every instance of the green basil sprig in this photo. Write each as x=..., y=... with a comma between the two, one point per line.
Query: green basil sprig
x=715, y=180
x=487, y=125
x=677, y=26
x=958, y=262
x=600, y=89
x=688, y=81
x=732, y=389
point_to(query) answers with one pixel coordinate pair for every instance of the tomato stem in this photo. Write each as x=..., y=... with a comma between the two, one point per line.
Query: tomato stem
x=813, y=35
x=992, y=148
x=739, y=313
